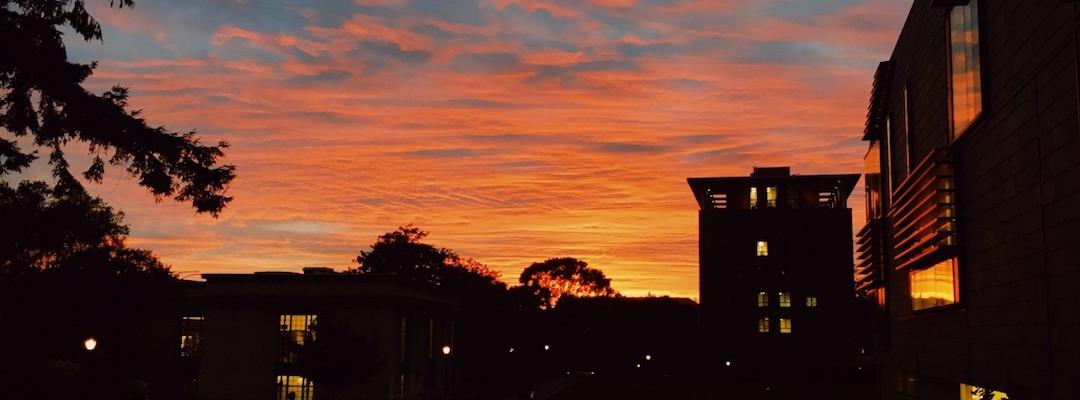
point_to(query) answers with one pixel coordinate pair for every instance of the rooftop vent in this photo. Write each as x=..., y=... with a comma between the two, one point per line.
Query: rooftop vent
x=761, y=172
x=318, y=271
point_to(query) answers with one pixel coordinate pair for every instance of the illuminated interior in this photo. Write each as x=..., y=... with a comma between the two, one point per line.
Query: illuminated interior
x=753, y=197
x=770, y=196
x=934, y=286
x=190, y=335
x=785, y=299
x=762, y=299
x=291, y=387
x=811, y=301
x=763, y=325
x=785, y=325
x=972, y=392
x=762, y=248
x=295, y=331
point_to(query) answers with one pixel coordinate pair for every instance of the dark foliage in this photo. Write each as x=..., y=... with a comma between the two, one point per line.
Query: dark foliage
x=557, y=277
x=65, y=275
x=337, y=359
x=41, y=97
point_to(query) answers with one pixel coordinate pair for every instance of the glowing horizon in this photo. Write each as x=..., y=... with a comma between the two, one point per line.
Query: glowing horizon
x=513, y=131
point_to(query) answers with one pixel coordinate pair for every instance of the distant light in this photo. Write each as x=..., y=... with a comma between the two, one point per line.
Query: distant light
x=90, y=344
x=727, y=363
x=446, y=350
x=546, y=347
x=648, y=357
x=511, y=349
x=638, y=365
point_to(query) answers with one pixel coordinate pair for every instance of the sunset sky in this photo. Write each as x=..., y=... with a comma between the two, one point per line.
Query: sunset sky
x=514, y=131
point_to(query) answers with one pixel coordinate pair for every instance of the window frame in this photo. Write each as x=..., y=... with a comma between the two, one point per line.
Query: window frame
x=955, y=134
x=761, y=248
x=763, y=299
x=789, y=326
x=764, y=325
x=957, y=295
x=781, y=297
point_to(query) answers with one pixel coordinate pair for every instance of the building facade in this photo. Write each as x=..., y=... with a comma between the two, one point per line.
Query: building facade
x=775, y=274
x=970, y=250
x=254, y=336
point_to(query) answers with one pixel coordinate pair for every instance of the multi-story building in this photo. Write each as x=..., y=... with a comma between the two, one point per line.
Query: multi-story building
x=973, y=196
x=775, y=273
x=256, y=336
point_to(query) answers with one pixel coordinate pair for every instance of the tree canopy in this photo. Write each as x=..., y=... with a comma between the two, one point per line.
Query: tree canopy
x=565, y=276
x=42, y=99
x=403, y=254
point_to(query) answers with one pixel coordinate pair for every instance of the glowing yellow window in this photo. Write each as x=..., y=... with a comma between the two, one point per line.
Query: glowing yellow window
x=811, y=301
x=972, y=392
x=762, y=299
x=934, y=286
x=753, y=197
x=763, y=325
x=291, y=387
x=785, y=299
x=770, y=196
x=762, y=248
x=785, y=325
x=296, y=330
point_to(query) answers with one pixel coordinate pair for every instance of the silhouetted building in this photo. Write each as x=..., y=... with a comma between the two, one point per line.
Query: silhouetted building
x=250, y=334
x=775, y=273
x=973, y=196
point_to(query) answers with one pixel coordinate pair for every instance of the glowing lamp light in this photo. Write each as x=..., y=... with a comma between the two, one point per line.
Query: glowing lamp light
x=446, y=350
x=648, y=357
x=546, y=347
x=727, y=363
x=511, y=349
x=638, y=365
x=90, y=344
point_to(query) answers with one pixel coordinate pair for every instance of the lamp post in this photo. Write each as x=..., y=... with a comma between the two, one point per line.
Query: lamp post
x=446, y=350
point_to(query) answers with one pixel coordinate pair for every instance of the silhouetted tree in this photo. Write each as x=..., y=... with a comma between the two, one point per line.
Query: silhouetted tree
x=403, y=254
x=64, y=262
x=337, y=359
x=565, y=276
x=41, y=96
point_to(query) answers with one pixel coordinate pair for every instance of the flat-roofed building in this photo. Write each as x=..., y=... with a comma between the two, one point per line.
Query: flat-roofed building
x=253, y=327
x=775, y=274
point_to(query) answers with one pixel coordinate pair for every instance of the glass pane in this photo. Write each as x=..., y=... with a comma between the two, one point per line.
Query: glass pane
x=934, y=286
x=964, y=60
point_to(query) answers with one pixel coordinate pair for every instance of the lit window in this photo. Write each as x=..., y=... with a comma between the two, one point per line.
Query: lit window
x=811, y=301
x=934, y=286
x=785, y=299
x=190, y=336
x=295, y=331
x=972, y=392
x=763, y=325
x=770, y=196
x=965, y=68
x=762, y=248
x=762, y=299
x=753, y=197
x=291, y=387
x=785, y=325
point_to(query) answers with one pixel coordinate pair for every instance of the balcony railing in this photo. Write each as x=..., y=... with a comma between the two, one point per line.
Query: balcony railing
x=923, y=212
x=870, y=263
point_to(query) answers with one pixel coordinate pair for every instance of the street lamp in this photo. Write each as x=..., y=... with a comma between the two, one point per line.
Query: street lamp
x=546, y=347
x=727, y=363
x=446, y=350
x=648, y=357
x=90, y=344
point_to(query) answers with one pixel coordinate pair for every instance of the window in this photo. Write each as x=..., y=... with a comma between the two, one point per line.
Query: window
x=908, y=142
x=190, y=336
x=762, y=299
x=291, y=387
x=770, y=196
x=762, y=248
x=753, y=197
x=785, y=299
x=972, y=392
x=785, y=325
x=934, y=286
x=295, y=331
x=763, y=325
x=964, y=63
x=811, y=301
